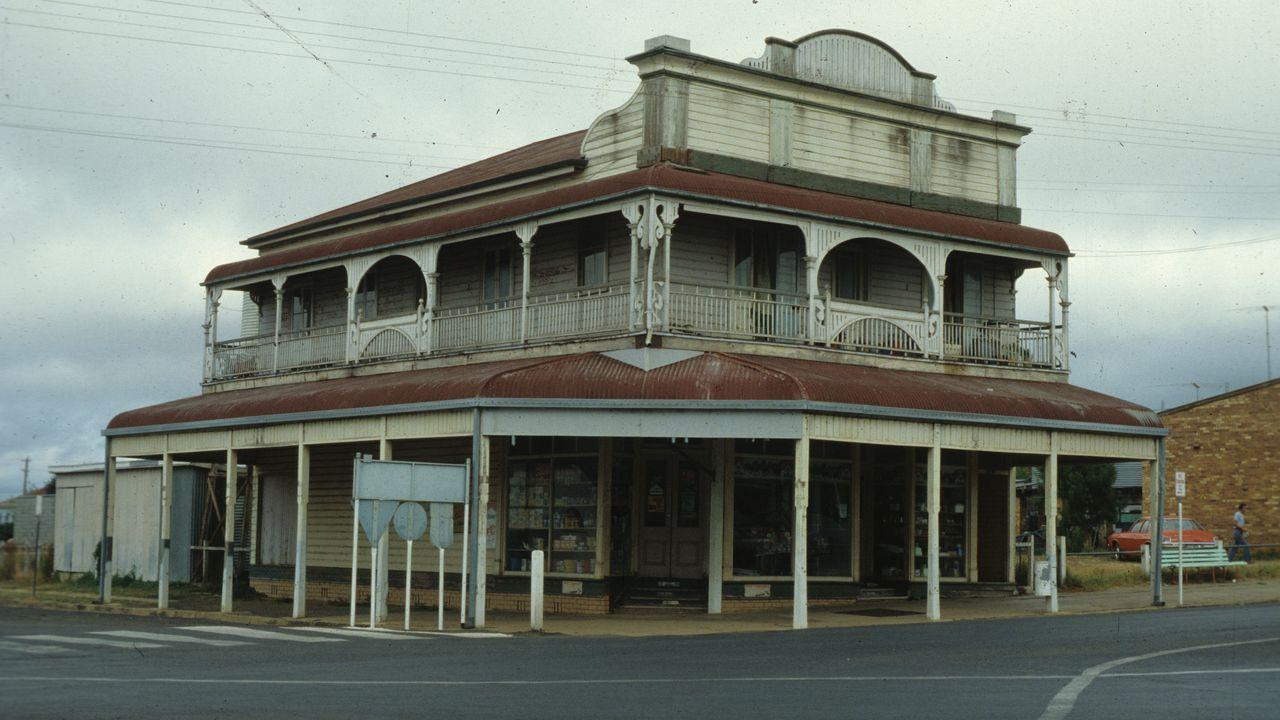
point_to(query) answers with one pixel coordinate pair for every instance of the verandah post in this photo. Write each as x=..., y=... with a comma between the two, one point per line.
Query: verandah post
x=800, y=540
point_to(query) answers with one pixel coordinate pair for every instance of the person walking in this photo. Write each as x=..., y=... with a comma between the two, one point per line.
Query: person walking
x=1238, y=536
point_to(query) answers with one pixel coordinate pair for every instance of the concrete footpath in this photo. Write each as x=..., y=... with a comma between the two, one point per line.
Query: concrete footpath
x=664, y=621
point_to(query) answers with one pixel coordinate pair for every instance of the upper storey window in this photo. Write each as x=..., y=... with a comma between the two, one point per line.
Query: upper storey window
x=850, y=274
x=367, y=297
x=497, y=274
x=764, y=261
x=593, y=261
x=301, y=308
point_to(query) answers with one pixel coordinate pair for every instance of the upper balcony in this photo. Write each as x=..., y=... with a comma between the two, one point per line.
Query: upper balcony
x=678, y=271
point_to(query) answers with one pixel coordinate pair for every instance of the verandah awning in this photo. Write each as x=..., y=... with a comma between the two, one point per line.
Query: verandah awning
x=711, y=380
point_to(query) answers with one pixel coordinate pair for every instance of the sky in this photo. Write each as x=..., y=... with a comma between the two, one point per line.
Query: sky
x=141, y=140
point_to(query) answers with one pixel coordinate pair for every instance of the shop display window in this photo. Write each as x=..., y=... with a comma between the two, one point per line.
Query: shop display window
x=952, y=523
x=763, y=486
x=552, y=506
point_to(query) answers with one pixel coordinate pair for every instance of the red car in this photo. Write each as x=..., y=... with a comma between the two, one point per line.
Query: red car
x=1129, y=543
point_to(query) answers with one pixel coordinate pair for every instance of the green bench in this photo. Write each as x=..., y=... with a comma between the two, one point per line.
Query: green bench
x=1198, y=557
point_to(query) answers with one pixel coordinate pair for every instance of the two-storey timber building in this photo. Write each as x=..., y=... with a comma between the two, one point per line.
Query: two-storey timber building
x=749, y=339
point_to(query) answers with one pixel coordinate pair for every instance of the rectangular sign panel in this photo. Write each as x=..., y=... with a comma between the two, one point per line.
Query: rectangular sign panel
x=410, y=481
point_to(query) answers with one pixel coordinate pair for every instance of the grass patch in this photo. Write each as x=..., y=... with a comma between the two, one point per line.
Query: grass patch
x=1101, y=573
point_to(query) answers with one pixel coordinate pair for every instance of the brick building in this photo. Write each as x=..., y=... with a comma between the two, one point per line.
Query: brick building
x=1229, y=447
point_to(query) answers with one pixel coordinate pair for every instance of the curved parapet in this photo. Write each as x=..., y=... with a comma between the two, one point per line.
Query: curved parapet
x=852, y=61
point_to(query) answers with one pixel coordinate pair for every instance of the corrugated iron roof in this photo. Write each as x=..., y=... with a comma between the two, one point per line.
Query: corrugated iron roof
x=707, y=377
x=529, y=158
x=672, y=179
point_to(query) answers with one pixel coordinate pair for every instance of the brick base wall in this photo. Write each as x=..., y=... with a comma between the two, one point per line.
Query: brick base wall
x=340, y=594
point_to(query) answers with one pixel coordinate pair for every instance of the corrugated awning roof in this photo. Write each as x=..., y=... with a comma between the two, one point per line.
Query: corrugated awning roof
x=707, y=377
x=675, y=180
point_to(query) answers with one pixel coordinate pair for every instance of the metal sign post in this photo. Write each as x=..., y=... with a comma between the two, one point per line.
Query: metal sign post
x=35, y=564
x=410, y=522
x=1179, y=489
x=384, y=489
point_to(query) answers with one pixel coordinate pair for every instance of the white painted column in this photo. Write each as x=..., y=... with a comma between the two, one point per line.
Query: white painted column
x=1051, y=519
x=429, y=317
x=210, y=328
x=933, y=499
x=525, y=232
x=1064, y=302
x=482, y=530
x=353, y=325
x=384, y=548
x=715, y=532
x=635, y=229
x=811, y=285
x=166, y=529
x=1053, y=301
x=109, y=492
x=229, y=532
x=800, y=538
x=278, y=284
x=671, y=212
x=1011, y=561
x=303, y=500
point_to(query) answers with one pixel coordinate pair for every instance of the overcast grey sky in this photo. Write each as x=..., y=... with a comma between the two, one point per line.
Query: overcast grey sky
x=1156, y=129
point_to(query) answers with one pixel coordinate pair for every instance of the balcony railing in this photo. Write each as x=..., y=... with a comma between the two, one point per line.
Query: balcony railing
x=1006, y=342
x=744, y=314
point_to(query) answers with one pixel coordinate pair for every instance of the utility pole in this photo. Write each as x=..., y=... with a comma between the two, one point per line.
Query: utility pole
x=1266, y=321
x=26, y=467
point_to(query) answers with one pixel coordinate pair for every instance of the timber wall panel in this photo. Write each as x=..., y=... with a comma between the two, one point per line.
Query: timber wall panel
x=349, y=429
x=851, y=147
x=138, y=445
x=419, y=425
x=265, y=436
x=614, y=140
x=728, y=122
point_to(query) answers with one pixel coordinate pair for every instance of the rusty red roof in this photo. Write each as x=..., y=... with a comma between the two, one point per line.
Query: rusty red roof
x=672, y=179
x=542, y=155
x=712, y=376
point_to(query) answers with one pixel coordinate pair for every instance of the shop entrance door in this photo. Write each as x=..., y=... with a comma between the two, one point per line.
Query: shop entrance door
x=671, y=531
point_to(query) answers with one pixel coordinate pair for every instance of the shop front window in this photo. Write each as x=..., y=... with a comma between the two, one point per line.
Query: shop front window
x=830, y=540
x=952, y=521
x=552, y=506
x=763, y=477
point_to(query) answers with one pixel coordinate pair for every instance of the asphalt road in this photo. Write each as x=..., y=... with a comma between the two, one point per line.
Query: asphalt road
x=1193, y=663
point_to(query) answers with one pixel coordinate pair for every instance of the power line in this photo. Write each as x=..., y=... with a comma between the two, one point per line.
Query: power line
x=392, y=30
x=276, y=41
x=545, y=83
x=366, y=138
x=1179, y=251
x=1163, y=145
x=1159, y=215
x=217, y=145
x=1145, y=184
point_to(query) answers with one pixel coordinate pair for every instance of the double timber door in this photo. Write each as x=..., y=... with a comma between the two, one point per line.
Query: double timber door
x=672, y=509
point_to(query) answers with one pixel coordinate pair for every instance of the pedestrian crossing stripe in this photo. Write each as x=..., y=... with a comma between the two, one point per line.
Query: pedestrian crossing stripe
x=76, y=640
x=164, y=637
x=33, y=649
x=256, y=634
x=360, y=633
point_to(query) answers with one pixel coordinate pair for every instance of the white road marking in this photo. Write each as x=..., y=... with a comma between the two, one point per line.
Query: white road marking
x=465, y=634
x=136, y=635
x=361, y=633
x=605, y=681
x=615, y=681
x=1168, y=673
x=255, y=633
x=1062, y=703
x=87, y=641
x=32, y=649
